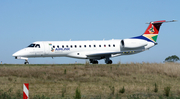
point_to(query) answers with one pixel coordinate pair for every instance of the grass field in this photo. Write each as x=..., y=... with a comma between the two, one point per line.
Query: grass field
x=94, y=81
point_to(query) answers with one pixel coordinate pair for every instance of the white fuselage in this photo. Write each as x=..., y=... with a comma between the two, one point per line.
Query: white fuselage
x=79, y=49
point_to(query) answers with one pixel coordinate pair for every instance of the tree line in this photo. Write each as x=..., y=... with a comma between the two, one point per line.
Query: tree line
x=172, y=58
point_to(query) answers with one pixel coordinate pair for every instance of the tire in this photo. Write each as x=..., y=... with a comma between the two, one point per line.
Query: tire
x=95, y=62
x=109, y=62
x=26, y=62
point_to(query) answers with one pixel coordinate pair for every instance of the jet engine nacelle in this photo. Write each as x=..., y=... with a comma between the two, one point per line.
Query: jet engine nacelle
x=133, y=43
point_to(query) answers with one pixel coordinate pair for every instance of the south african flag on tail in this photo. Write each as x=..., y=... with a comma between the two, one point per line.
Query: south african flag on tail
x=152, y=31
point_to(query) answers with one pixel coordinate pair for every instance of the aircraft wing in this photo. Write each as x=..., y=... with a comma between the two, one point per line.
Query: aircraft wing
x=102, y=55
x=107, y=54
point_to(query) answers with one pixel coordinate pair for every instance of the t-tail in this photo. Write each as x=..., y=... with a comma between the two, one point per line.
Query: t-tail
x=152, y=31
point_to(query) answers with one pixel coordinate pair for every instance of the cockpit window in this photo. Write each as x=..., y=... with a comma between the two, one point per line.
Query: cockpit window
x=37, y=46
x=31, y=45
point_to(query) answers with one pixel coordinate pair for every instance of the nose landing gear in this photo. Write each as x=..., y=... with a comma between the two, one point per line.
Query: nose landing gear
x=26, y=61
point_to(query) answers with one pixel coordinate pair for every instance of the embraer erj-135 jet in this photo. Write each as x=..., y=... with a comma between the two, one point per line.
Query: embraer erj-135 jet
x=93, y=50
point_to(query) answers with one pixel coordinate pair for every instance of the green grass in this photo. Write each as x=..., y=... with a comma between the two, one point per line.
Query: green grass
x=95, y=81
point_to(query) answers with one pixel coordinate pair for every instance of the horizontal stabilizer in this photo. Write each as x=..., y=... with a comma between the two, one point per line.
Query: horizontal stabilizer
x=162, y=21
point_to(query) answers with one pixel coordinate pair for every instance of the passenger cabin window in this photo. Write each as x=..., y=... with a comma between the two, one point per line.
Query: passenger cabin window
x=75, y=46
x=94, y=45
x=80, y=46
x=58, y=46
x=53, y=46
x=37, y=46
x=66, y=45
x=99, y=45
x=109, y=45
x=31, y=45
x=113, y=45
x=104, y=45
x=84, y=45
x=71, y=46
x=89, y=45
x=62, y=46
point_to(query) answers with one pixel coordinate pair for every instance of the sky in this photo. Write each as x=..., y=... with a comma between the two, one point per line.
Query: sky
x=25, y=21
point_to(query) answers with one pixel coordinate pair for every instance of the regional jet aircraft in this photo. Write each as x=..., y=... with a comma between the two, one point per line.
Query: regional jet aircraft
x=93, y=50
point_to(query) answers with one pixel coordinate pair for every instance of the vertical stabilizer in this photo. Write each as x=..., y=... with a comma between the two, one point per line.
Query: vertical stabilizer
x=152, y=31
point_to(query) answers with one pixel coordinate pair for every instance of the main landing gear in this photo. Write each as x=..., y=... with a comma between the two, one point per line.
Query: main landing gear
x=108, y=61
x=26, y=61
x=93, y=61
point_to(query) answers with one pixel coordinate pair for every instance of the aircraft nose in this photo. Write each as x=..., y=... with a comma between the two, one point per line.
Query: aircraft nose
x=15, y=54
x=18, y=53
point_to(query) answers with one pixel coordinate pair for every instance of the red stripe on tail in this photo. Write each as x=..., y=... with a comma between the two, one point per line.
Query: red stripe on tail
x=152, y=29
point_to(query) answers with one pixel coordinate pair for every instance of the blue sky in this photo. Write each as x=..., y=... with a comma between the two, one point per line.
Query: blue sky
x=23, y=22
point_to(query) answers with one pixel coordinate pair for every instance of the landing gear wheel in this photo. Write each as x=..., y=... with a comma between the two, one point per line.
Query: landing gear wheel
x=93, y=61
x=109, y=62
x=26, y=62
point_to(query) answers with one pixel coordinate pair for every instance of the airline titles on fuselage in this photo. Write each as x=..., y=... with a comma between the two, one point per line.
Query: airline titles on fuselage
x=58, y=49
x=62, y=49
